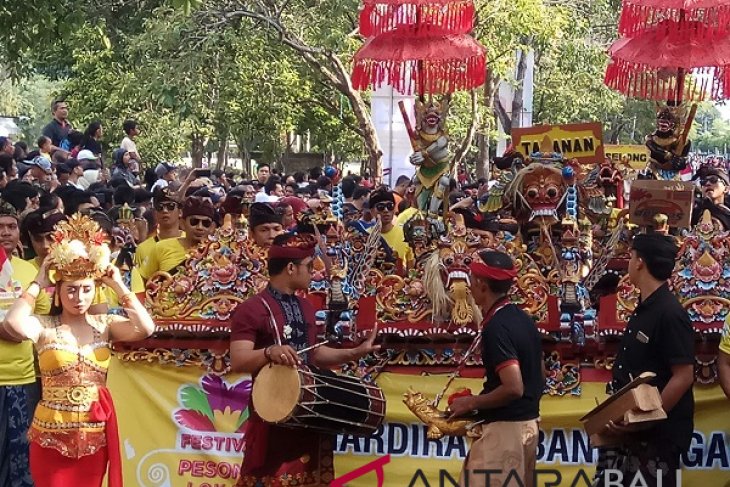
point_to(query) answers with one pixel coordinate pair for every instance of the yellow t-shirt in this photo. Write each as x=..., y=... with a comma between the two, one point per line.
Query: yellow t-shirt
x=146, y=257
x=168, y=254
x=136, y=286
x=725, y=340
x=16, y=359
x=406, y=215
x=144, y=251
x=396, y=241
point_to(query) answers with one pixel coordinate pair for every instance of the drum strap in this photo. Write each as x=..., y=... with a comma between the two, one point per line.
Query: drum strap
x=272, y=322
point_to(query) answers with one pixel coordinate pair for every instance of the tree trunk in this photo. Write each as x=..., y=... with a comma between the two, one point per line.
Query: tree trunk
x=372, y=144
x=222, y=156
x=517, y=101
x=197, y=150
x=482, y=162
x=502, y=115
x=325, y=62
x=469, y=137
x=613, y=137
x=363, y=117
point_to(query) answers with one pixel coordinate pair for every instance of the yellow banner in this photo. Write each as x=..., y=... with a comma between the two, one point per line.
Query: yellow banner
x=633, y=156
x=580, y=141
x=180, y=427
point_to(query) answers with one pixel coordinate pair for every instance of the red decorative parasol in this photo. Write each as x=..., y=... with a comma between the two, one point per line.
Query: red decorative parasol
x=672, y=50
x=451, y=16
x=419, y=46
x=443, y=64
x=694, y=68
x=701, y=18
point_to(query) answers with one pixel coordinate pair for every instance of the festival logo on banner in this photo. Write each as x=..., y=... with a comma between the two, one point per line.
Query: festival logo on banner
x=215, y=406
x=209, y=419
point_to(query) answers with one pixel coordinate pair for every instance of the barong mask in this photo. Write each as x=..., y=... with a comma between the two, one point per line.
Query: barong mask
x=447, y=276
x=537, y=192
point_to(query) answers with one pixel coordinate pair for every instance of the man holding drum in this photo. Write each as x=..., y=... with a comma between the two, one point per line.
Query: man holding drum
x=277, y=327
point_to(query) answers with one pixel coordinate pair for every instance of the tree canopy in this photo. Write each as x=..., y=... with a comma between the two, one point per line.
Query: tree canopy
x=199, y=74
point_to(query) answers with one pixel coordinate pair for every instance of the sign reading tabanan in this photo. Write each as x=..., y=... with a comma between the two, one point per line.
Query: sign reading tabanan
x=580, y=141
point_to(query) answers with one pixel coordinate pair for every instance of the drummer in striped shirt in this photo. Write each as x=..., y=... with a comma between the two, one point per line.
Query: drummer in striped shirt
x=272, y=327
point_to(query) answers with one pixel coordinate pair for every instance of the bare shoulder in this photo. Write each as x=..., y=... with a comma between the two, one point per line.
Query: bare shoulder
x=47, y=321
x=47, y=326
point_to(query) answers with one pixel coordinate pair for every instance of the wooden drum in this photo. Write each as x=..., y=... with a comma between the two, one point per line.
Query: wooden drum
x=306, y=397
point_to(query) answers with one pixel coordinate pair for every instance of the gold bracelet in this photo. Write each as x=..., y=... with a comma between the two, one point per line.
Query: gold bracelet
x=127, y=298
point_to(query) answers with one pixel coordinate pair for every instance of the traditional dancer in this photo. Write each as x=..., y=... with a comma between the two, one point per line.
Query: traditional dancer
x=74, y=433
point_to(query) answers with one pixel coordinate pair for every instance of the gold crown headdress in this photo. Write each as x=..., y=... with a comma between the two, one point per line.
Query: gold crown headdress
x=80, y=250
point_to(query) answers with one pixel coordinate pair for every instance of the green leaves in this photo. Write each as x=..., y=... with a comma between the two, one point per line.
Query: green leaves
x=185, y=5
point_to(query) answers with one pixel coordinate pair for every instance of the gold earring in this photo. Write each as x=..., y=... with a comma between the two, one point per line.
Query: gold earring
x=56, y=300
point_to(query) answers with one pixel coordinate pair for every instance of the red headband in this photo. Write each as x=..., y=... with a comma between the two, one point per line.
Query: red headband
x=484, y=271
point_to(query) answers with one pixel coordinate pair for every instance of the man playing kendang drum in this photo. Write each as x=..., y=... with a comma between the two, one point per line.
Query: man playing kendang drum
x=276, y=456
x=509, y=405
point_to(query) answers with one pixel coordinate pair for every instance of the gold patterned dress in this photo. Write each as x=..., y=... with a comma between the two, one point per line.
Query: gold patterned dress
x=73, y=435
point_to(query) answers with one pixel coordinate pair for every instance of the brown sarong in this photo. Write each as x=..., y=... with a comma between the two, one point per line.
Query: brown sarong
x=504, y=451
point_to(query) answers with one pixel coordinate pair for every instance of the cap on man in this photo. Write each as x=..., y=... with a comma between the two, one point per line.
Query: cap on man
x=166, y=173
x=41, y=171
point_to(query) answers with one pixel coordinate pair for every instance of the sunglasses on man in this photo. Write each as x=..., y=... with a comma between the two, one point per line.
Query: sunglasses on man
x=195, y=222
x=385, y=206
x=166, y=206
x=710, y=180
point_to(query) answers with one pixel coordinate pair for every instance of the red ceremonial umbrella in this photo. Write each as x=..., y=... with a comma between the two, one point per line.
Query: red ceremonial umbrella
x=692, y=17
x=651, y=65
x=443, y=16
x=439, y=64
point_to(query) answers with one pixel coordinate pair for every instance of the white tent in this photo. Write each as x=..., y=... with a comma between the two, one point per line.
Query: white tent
x=8, y=127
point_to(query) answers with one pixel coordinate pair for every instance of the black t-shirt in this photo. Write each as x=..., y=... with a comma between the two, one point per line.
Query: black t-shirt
x=721, y=213
x=511, y=336
x=56, y=132
x=659, y=335
x=94, y=146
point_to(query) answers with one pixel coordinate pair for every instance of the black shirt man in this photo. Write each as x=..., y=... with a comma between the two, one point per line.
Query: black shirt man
x=658, y=338
x=509, y=405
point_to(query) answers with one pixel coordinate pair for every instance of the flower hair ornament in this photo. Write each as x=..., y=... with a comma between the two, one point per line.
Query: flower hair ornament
x=80, y=250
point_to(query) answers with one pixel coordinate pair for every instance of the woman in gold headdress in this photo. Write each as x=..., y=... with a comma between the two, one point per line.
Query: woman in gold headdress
x=74, y=434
